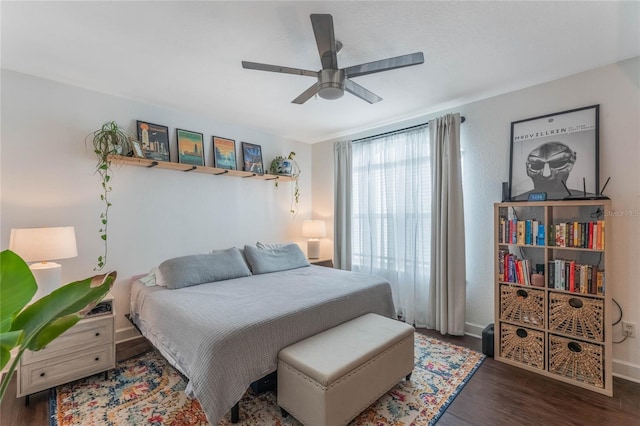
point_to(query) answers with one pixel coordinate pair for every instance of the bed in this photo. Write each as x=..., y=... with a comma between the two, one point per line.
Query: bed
x=224, y=335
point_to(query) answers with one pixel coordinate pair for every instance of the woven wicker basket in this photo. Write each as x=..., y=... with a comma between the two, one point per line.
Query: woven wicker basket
x=576, y=360
x=522, y=345
x=524, y=306
x=577, y=316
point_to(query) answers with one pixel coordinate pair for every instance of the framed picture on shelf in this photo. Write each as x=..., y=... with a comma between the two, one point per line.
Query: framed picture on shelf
x=224, y=153
x=190, y=147
x=556, y=154
x=252, y=158
x=154, y=140
x=137, y=149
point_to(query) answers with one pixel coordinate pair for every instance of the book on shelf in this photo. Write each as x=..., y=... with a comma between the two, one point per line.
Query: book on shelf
x=513, y=270
x=521, y=232
x=568, y=275
x=586, y=235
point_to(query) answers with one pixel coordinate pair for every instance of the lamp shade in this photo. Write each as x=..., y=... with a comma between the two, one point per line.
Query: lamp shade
x=314, y=229
x=42, y=244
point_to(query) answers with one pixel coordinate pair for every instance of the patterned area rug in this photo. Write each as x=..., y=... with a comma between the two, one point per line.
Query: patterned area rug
x=147, y=390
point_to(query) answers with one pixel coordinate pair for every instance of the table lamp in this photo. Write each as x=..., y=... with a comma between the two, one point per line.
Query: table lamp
x=41, y=245
x=314, y=229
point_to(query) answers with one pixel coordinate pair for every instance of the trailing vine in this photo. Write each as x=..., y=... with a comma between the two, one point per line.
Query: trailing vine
x=108, y=140
x=278, y=167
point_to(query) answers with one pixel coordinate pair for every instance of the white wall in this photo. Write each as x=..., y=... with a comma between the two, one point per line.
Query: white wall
x=485, y=142
x=47, y=179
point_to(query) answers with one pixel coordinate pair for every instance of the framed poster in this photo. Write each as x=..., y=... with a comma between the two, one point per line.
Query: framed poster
x=556, y=154
x=224, y=153
x=154, y=139
x=190, y=147
x=252, y=158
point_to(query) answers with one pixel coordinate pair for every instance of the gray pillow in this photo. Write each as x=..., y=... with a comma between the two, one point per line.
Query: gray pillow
x=263, y=261
x=197, y=269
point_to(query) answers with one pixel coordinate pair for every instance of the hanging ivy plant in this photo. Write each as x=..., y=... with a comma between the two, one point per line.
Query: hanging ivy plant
x=108, y=140
x=288, y=167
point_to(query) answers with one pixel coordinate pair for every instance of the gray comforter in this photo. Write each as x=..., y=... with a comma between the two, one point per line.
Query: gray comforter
x=225, y=335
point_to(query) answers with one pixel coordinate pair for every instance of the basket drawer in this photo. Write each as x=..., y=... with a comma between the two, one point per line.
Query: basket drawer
x=576, y=360
x=523, y=345
x=576, y=316
x=522, y=305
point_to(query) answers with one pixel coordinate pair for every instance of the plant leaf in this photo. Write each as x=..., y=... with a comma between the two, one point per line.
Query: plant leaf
x=53, y=330
x=17, y=287
x=8, y=341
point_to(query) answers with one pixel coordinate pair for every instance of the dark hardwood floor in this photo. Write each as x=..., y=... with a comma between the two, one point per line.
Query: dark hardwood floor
x=497, y=394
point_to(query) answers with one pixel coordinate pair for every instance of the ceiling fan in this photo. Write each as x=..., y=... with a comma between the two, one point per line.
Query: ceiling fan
x=333, y=81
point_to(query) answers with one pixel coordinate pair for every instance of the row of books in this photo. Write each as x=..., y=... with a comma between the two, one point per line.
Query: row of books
x=522, y=232
x=513, y=270
x=570, y=276
x=562, y=274
x=588, y=235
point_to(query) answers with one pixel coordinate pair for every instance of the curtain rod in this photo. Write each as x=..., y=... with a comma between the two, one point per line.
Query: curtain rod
x=392, y=132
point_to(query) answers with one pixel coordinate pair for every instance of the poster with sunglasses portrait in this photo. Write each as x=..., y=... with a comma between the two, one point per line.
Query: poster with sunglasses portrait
x=556, y=154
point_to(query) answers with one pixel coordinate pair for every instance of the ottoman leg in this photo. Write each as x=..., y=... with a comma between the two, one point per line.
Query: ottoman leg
x=284, y=412
x=408, y=377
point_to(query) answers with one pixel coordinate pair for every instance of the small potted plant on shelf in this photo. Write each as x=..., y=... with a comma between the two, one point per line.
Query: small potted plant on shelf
x=109, y=140
x=287, y=166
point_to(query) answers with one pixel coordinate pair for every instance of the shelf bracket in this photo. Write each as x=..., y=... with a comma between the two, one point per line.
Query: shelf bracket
x=274, y=178
x=153, y=164
x=252, y=175
x=221, y=173
x=192, y=168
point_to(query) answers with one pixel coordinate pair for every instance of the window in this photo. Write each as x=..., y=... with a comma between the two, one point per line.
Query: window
x=391, y=199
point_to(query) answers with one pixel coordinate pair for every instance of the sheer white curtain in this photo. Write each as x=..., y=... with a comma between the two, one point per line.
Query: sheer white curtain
x=391, y=217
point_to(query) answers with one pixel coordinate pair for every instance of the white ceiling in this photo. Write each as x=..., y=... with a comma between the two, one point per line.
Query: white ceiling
x=186, y=55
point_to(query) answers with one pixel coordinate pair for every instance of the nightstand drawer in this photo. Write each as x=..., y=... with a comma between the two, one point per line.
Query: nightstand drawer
x=45, y=374
x=87, y=333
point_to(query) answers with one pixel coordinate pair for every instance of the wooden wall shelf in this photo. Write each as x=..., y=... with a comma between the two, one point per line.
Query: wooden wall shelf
x=144, y=162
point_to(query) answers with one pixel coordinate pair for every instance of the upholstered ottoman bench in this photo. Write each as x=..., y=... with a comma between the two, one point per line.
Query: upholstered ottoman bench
x=331, y=377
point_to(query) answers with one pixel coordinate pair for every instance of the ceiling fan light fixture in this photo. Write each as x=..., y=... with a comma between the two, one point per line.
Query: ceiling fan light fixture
x=331, y=84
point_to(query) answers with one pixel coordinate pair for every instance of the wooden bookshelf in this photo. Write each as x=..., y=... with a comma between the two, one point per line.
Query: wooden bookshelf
x=550, y=330
x=187, y=168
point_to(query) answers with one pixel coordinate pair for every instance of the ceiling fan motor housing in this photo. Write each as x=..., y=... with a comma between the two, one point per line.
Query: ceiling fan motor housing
x=331, y=83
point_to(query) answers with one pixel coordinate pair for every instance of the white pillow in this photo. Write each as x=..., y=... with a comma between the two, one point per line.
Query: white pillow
x=153, y=278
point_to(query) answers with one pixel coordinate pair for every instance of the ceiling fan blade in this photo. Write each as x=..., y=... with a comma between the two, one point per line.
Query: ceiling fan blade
x=276, y=68
x=361, y=92
x=307, y=94
x=325, y=39
x=385, y=64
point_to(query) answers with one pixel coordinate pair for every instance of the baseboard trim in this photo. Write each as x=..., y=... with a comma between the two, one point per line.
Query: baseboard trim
x=626, y=371
x=473, y=330
x=127, y=333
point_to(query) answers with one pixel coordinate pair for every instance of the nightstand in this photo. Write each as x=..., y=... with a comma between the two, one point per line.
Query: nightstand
x=322, y=262
x=85, y=349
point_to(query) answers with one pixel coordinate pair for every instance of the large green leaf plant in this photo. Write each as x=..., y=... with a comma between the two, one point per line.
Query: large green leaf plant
x=35, y=326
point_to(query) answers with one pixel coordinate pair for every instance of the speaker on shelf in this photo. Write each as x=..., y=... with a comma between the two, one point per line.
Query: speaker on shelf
x=505, y=191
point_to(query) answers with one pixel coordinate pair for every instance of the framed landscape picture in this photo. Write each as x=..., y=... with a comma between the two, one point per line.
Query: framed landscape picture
x=190, y=147
x=252, y=158
x=154, y=139
x=556, y=154
x=224, y=153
